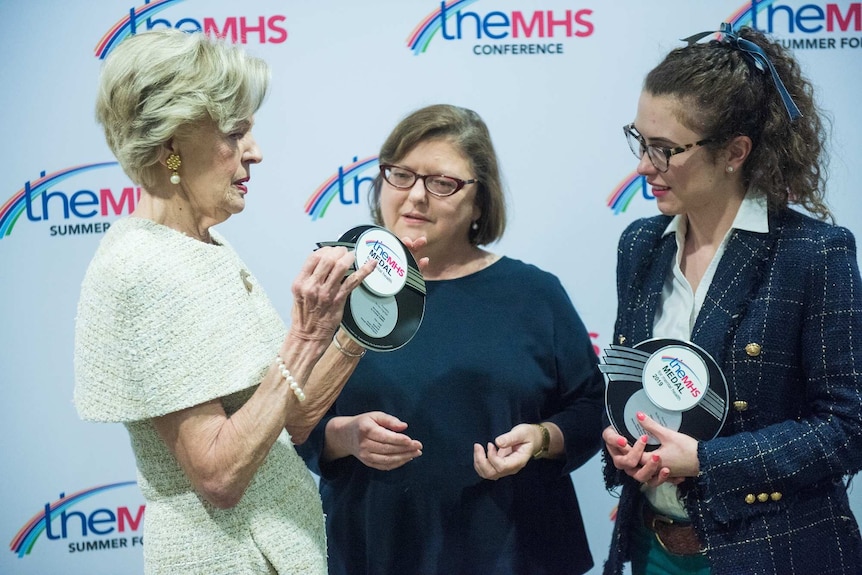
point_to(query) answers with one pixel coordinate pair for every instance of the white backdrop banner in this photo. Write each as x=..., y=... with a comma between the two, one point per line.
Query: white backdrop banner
x=555, y=81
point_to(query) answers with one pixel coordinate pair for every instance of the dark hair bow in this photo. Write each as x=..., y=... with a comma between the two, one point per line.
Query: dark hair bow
x=756, y=56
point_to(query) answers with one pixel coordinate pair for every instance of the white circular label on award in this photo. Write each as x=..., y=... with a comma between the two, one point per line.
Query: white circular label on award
x=390, y=275
x=375, y=316
x=675, y=378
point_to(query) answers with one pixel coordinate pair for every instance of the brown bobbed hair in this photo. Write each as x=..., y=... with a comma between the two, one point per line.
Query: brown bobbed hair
x=469, y=134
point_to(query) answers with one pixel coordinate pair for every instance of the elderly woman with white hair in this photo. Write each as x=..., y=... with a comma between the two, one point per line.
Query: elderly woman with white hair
x=176, y=339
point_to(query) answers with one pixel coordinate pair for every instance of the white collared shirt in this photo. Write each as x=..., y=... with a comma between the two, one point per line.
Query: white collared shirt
x=680, y=305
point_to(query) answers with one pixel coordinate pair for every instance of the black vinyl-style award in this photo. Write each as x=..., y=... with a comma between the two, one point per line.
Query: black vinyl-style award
x=386, y=310
x=676, y=383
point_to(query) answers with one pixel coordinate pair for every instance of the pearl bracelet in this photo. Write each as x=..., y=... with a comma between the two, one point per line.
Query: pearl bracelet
x=297, y=391
x=344, y=351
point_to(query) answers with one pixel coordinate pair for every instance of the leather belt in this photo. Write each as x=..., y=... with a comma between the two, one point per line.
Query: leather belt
x=676, y=537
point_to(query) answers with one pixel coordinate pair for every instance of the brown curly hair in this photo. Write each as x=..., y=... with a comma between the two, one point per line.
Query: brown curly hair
x=725, y=96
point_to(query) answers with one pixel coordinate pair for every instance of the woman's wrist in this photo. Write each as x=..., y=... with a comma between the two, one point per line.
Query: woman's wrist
x=347, y=346
x=544, y=441
x=301, y=354
x=332, y=445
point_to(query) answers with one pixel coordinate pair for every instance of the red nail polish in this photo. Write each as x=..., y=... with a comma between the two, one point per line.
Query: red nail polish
x=655, y=458
x=622, y=442
x=644, y=438
x=641, y=415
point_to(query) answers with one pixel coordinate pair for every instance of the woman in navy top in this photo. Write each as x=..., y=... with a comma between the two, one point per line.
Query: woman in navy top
x=452, y=454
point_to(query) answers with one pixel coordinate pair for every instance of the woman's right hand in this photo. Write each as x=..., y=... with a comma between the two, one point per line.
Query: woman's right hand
x=374, y=438
x=320, y=290
x=633, y=460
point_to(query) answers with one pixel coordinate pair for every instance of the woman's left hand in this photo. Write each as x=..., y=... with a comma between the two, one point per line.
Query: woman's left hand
x=634, y=460
x=677, y=452
x=508, y=454
x=414, y=246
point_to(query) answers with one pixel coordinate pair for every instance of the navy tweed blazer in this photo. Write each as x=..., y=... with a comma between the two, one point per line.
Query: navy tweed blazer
x=771, y=497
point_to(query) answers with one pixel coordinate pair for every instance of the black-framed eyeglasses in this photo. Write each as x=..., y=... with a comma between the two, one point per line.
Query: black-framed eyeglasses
x=436, y=184
x=658, y=155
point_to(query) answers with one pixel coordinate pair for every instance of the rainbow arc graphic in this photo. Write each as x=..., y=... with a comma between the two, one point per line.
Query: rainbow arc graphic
x=626, y=191
x=123, y=27
x=742, y=16
x=424, y=32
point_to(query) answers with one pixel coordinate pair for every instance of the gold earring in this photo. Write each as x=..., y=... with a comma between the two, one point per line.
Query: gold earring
x=173, y=163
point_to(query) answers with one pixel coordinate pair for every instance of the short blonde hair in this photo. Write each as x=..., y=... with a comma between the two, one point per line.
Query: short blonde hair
x=156, y=83
x=466, y=130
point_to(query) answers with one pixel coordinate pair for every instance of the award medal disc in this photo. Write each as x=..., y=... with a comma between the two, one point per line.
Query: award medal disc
x=387, y=308
x=676, y=383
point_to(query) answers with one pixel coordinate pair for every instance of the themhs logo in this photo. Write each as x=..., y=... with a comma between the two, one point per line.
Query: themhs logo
x=89, y=528
x=40, y=201
x=811, y=25
x=345, y=185
x=498, y=33
x=237, y=29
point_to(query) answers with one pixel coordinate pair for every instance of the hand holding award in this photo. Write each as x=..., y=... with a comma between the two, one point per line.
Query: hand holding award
x=386, y=310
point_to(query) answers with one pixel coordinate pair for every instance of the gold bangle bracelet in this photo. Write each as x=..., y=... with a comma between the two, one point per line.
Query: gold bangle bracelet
x=344, y=351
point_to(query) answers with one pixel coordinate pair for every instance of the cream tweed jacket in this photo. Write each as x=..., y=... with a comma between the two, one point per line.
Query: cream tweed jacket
x=166, y=322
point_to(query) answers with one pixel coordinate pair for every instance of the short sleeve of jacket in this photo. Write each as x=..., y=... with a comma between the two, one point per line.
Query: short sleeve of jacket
x=166, y=322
